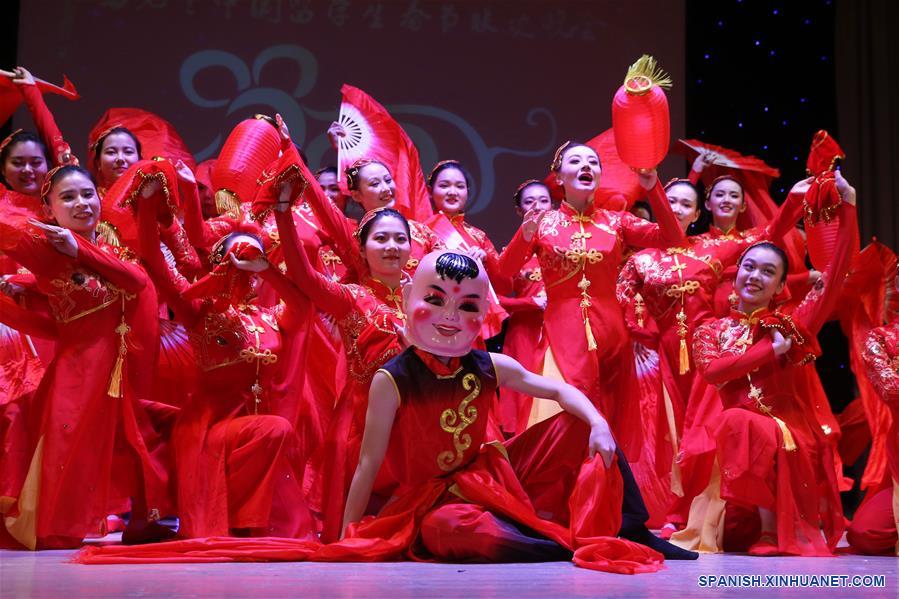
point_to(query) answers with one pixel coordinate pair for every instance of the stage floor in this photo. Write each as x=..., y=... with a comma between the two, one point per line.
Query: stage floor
x=49, y=574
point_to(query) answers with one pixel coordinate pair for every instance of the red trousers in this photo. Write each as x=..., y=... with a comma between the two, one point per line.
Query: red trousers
x=873, y=529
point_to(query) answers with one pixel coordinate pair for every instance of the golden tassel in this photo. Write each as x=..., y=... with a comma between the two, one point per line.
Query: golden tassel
x=115, y=379
x=639, y=309
x=684, y=357
x=647, y=69
x=109, y=233
x=226, y=202
x=789, y=442
x=591, y=341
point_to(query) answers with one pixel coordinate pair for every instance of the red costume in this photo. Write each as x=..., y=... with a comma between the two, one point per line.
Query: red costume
x=771, y=451
x=238, y=464
x=451, y=496
x=89, y=418
x=874, y=528
x=525, y=341
x=579, y=254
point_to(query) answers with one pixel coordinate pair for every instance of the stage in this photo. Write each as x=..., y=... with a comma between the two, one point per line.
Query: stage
x=49, y=574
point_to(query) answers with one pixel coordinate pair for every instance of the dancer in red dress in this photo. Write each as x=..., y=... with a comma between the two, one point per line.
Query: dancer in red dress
x=874, y=528
x=92, y=443
x=579, y=248
x=525, y=340
x=238, y=464
x=773, y=456
x=431, y=485
x=369, y=315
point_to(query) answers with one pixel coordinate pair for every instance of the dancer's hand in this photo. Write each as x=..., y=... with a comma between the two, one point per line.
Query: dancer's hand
x=335, y=131
x=847, y=192
x=254, y=265
x=602, y=442
x=22, y=76
x=801, y=187
x=62, y=239
x=531, y=223
x=780, y=343
x=647, y=179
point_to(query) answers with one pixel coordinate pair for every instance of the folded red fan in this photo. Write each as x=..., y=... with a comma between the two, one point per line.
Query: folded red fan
x=118, y=225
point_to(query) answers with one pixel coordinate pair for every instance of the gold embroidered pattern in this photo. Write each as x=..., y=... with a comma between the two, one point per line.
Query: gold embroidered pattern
x=456, y=421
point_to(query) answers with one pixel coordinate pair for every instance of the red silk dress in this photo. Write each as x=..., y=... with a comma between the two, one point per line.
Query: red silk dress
x=771, y=450
x=525, y=341
x=579, y=255
x=876, y=522
x=239, y=464
x=92, y=444
x=443, y=493
x=368, y=315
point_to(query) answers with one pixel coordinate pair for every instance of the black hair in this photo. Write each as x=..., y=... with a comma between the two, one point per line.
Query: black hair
x=520, y=191
x=332, y=170
x=644, y=205
x=99, y=147
x=556, y=164
x=63, y=171
x=774, y=248
x=218, y=249
x=445, y=165
x=14, y=140
x=451, y=265
x=367, y=223
x=352, y=172
x=686, y=182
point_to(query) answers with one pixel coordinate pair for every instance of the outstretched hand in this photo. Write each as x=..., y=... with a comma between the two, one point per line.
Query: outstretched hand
x=283, y=132
x=184, y=173
x=22, y=76
x=801, y=187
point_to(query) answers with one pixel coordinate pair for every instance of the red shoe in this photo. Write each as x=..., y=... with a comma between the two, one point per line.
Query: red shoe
x=766, y=546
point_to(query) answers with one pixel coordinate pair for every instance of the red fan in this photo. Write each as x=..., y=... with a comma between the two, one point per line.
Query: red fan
x=157, y=136
x=640, y=115
x=373, y=134
x=11, y=97
x=724, y=158
x=252, y=145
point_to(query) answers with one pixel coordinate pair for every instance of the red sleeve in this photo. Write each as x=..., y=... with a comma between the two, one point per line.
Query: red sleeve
x=785, y=219
x=334, y=223
x=124, y=275
x=329, y=296
x=694, y=176
x=186, y=259
x=169, y=283
x=718, y=370
x=627, y=291
x=46, y=124
x=516, y=255
x=637, y=232
x=822, y=299
x=200, y=232
x=879, y=366
x=517, y=304
x=26, y=321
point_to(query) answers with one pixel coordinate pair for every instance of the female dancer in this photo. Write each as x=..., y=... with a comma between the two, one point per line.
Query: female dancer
x=369, y=315
x=88, y=414
x=237, y=464
x=771, y=452
x=525, y=339
x=579, y=248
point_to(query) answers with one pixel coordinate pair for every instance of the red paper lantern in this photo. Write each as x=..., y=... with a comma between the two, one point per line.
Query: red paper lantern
x=251, y=146
x=640, y=116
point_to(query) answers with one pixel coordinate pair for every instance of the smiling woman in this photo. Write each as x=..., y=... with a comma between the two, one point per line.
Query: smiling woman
x=105, y=320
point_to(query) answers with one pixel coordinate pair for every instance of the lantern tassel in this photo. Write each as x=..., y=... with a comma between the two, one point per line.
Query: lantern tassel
x=647, y=68
x=789, y=442
x=226, y=203
x=108, y=233
x=115, y=379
